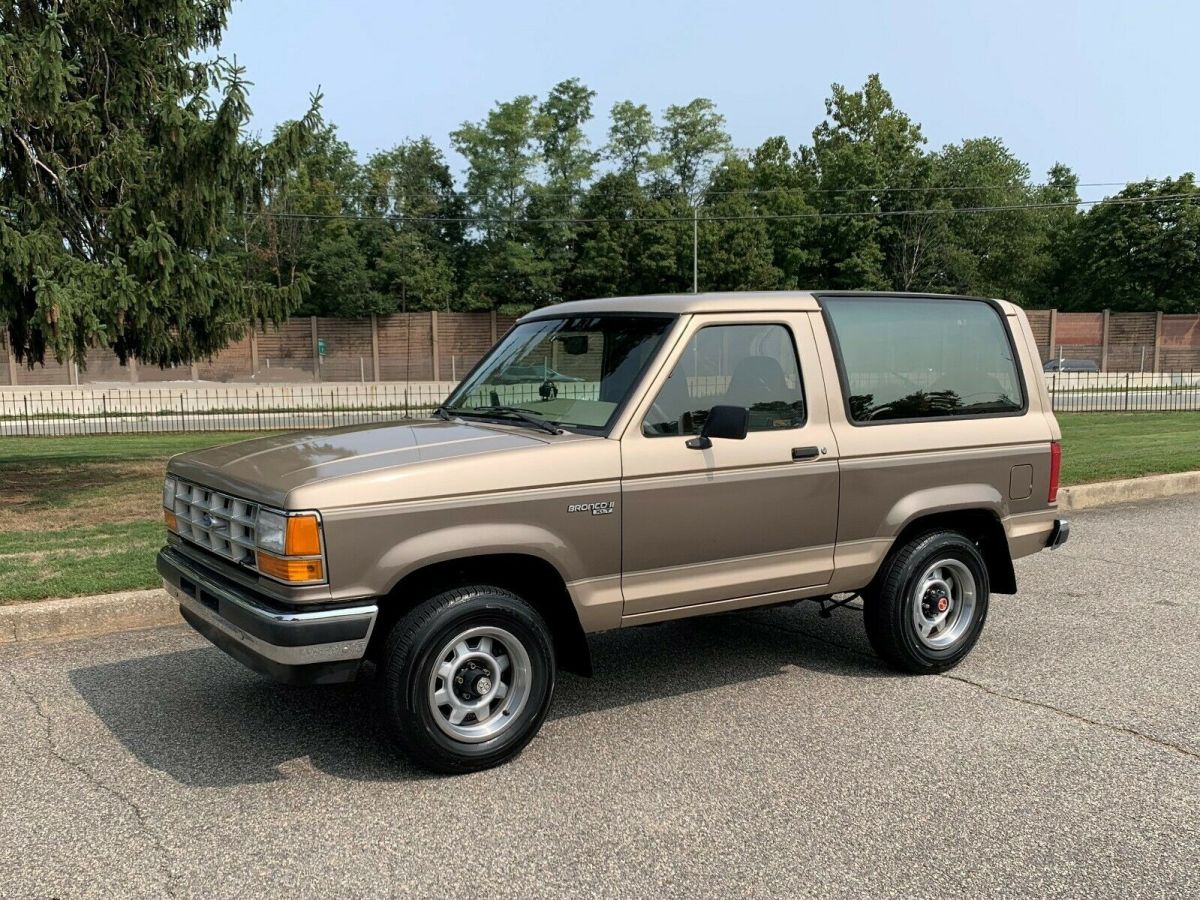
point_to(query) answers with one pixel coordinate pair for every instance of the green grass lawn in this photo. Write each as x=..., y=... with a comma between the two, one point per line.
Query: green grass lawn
x=82, y=515
x=1107, y=446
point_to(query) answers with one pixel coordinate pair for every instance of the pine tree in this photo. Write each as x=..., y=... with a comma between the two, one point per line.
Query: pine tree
x=124, y=173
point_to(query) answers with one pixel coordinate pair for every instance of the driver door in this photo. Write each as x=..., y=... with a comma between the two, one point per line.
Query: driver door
x=750, y=519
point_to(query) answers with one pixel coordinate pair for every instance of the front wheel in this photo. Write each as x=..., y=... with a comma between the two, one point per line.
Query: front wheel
x=467, y=679
x=929, y=604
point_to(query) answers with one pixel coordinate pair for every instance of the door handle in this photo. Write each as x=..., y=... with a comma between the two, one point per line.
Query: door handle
x=799, y=453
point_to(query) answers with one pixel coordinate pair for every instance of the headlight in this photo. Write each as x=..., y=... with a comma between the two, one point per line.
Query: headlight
x=289, y=547
x=272, y=531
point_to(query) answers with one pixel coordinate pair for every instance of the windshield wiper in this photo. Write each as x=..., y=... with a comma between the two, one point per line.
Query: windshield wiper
x=514, y=412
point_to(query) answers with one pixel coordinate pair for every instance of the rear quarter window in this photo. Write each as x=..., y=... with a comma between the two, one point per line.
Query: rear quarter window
x=904, y=359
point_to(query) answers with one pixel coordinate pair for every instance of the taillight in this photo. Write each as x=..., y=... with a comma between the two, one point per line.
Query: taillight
x=1055, y=466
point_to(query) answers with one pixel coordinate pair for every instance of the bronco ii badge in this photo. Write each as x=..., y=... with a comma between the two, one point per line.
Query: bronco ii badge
x=603, y=508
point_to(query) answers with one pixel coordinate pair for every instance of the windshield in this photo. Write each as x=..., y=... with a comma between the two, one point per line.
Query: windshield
x=573, y=371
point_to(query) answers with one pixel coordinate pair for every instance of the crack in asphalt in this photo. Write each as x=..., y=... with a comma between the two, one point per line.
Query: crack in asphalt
x=140, y=814
x=1003, y=695
x=1108, y=726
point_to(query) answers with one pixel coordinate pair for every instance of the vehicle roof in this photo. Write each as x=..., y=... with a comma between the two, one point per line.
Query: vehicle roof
x=730, y=301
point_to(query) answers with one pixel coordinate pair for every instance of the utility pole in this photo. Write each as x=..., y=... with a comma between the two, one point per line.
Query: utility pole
x=695, y=248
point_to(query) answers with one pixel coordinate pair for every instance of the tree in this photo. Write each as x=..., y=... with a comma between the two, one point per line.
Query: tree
x=418, y=252
x=996, y=253
x=1140, y=250
x=1058, y=237
x=501, y=156
x=735, y=244
x=867, y=158
x=307, y=229
x=124, y=169
x=568, y=159
x=693, y=139
x=784, y=190
x=569, y=163
x=632, y=138
x=503, y=271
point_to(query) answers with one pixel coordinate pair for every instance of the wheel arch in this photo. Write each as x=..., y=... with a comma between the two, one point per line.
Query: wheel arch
x=534, y=579
x=982, y=526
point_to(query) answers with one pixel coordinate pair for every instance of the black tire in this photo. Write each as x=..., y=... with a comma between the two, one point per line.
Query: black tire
x=888, y=610
x=412, y=655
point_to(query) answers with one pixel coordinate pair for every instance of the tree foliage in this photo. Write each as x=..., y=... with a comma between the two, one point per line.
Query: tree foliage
x=124, y=169
x=136, y=213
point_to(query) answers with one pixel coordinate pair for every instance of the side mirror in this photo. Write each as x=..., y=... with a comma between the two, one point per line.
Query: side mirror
x=728, y=422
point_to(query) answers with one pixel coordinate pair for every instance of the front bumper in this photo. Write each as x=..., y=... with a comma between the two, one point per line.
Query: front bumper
x=297, y=647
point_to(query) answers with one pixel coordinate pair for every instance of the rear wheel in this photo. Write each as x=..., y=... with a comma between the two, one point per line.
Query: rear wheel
x=929, y=604
x=467, y=679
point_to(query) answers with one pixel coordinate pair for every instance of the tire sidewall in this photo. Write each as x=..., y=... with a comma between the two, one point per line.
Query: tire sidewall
x=408, y=681
x=943, y=545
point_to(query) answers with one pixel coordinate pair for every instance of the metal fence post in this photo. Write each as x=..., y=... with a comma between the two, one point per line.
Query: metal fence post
x=1052, y=335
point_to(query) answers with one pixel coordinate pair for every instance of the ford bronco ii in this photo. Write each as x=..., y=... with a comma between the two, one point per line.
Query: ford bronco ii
x=618, y=462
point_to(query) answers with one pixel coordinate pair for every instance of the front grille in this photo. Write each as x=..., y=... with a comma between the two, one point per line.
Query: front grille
x=217, y=522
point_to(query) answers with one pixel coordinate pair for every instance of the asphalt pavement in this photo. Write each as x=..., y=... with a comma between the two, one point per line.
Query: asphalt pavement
x=756, y=754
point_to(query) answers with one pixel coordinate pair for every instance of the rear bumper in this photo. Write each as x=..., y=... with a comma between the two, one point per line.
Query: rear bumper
x=1059, y=534
x=297, y=647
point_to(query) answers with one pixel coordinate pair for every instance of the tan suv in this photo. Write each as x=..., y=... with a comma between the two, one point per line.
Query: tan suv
x=618, y=462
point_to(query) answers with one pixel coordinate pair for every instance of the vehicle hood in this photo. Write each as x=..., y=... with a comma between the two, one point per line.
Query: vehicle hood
x=268, y=469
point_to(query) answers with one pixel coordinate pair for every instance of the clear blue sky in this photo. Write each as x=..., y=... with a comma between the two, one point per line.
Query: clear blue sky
x=1109, y=88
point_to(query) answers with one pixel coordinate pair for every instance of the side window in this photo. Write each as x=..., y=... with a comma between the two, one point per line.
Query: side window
x=923, y=358
x=753, y=366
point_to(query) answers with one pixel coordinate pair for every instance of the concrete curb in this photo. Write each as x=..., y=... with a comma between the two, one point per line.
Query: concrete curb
x=80, y=616
x=1129, y=490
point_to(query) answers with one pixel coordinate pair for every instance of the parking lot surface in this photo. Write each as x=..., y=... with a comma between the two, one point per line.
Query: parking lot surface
x=763, y=753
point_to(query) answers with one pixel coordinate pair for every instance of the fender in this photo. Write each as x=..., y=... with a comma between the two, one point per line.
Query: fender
x=458, y=541
x=947, y=498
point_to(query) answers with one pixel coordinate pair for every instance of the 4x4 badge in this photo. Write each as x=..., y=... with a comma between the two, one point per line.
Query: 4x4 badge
x=603, y=508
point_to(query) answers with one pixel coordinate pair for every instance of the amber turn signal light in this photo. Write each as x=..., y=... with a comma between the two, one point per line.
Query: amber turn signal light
x=169, y=518
x=290, y=569
x=303, y=537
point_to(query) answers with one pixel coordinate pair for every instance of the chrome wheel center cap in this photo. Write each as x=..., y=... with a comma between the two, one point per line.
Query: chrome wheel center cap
x=483, y=684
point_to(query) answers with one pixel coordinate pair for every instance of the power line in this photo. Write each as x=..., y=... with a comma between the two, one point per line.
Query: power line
x=941, y=188
x=764, y=217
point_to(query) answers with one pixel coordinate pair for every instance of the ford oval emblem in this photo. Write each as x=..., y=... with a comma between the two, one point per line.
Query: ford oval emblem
x=207, y=520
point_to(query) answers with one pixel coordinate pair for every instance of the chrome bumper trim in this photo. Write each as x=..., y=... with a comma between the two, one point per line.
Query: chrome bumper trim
x=300, y=655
